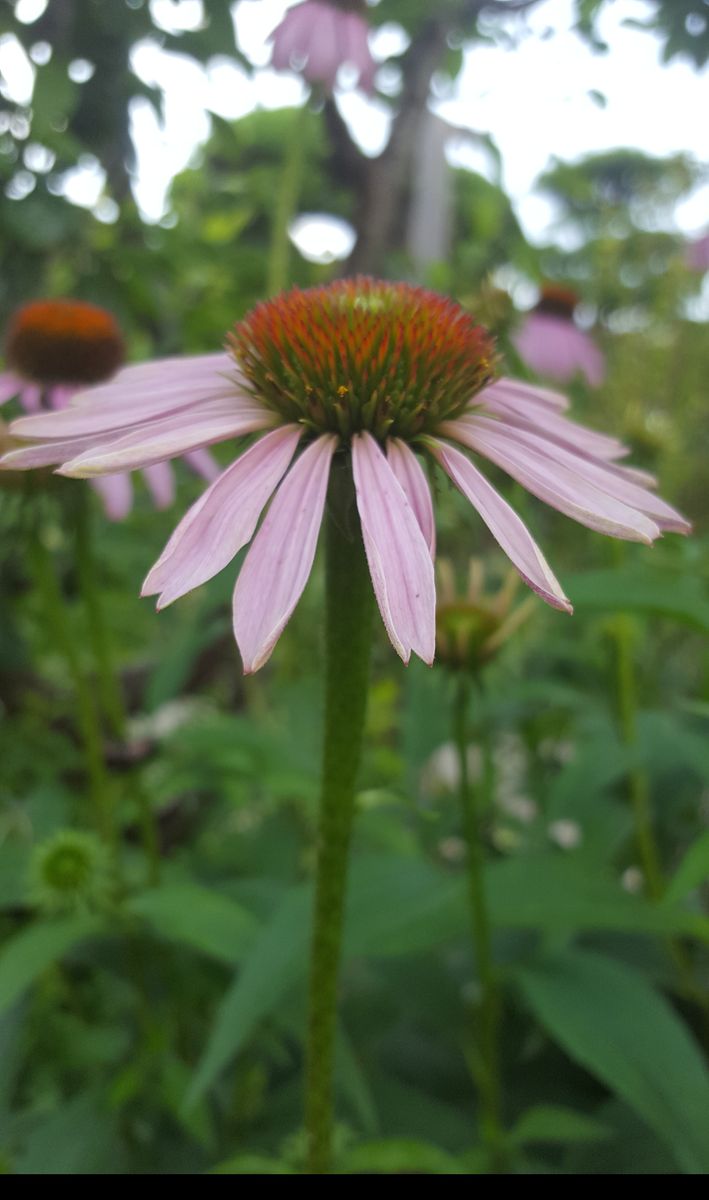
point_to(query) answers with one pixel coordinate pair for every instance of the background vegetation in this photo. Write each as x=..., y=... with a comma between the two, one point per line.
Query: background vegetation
x=152, y=990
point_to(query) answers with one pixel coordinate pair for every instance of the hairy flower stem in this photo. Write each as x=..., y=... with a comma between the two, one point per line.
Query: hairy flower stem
x=87, y=716
x=108, y=682
x=285, y=204
x=348, y=628
x=488, y=1056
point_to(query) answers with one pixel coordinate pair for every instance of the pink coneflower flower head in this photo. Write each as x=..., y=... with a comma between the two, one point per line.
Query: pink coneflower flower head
x=317, y=37
x=553, y=346
x=381, y=375
x=56, y=349
x=698, y=254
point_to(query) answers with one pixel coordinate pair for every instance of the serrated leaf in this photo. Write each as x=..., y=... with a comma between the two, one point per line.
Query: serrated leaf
x=609, y=1019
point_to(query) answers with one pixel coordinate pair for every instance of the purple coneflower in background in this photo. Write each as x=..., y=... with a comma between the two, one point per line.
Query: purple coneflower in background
x=318, y=37
x=698, y=254
x=54, y=349
x=378, y=372
x=553, y=346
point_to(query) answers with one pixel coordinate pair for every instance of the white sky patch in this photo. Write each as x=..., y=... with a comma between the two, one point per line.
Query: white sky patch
x=321, y=238
x=28, y=11
x=16, y=70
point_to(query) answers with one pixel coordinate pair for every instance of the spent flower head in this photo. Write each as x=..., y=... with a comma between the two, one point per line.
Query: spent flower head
x=375, y=377
x=471, y=627
x=57, y=348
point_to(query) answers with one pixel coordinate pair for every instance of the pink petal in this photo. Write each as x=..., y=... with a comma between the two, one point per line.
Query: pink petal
x=506, y=527
x=412, y=477
x=45, y=454
x=170, y=437
x=398, y=556
x=529, y=413
x=139, y=394
x=223, y=520
x=10, y=385
x=116, y=491
x=553, y=346
x=525, y=391
x=30, y=399
x=584, y=474
x=161, y=484
x=544, y=477
x=203, y=464
x=280, y=559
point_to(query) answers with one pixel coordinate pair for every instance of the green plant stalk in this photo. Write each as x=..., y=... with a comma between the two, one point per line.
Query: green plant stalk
x=638, y=787
x=488, y=1056
x=87, y=715
x=278, y=272
x=109, y=685
x=348, y=631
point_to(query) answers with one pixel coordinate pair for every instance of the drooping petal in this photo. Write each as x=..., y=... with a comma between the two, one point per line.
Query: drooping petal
x=46, y=454
x=530, y=413
x=586, y=478
x=278, y=564
x=554, y=484
x=398, y=555
x=555, y=348
x=505, y=526
x=203, y=464
x=525, y=391
x=161, y=484
x=169, y=438
x=116, y=492
x=223, y=520
x=30, y=399
x=10, y=385
x=411, y=476
x=137, y=395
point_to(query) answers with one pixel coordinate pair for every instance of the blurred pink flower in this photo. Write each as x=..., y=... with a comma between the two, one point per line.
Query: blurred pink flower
x=550, y=343
x=377, y=374
x=698, y=254
x=317, y=37
x=56, y=348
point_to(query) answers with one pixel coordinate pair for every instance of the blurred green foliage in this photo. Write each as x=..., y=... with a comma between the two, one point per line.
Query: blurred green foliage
x=156, y=1027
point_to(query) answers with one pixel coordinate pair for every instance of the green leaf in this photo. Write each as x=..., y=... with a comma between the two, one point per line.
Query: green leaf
x=26, y=955
x=396, y=1156
x=275, y=962
x=551, y=1123
x=252, y=1164
x=680, y=597
x=692, y=871
x=198, y=917
x=608, y=1018
x=555, y=893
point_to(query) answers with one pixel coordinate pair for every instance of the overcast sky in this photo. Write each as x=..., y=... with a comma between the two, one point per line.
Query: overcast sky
x=534, y=100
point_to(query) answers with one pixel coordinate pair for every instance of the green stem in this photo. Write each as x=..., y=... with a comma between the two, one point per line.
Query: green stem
x=348, y=626
x=638, y=786
x=108, y=681
x=87, y=715
x=277, y=276
x=488, y=1057
x=87, y=571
